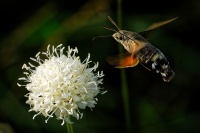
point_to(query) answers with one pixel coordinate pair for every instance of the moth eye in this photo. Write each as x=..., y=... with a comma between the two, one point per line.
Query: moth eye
x=120, y=37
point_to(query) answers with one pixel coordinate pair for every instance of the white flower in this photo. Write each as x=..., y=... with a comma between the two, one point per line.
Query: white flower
x=61, y=84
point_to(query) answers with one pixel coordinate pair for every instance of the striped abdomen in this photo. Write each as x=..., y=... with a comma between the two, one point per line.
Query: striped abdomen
x=153, y=58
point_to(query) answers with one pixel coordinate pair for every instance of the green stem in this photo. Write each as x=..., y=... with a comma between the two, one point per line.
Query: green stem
x=124, y=86
x=69, y=128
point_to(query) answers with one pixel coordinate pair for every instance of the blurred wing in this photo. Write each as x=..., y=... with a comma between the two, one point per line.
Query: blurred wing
x=159, y=24
x=123, y=61
x=155, y=26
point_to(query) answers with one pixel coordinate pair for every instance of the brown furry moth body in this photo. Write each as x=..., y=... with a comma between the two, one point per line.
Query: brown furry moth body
x=140, y=50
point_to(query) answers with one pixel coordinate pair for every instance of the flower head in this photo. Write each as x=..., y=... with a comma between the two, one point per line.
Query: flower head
x=61, y=84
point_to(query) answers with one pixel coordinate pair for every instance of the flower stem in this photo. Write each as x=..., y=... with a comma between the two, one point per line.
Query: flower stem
x=124, y=86
x=69, y=128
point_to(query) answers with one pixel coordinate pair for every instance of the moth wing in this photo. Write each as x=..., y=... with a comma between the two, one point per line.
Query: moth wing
x=155, y=26
x=123, y=61
x=159, y=24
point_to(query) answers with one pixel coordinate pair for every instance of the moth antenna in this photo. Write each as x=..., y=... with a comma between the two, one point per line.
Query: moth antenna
x=109, y=28
x=113, y=22
x=115, y=31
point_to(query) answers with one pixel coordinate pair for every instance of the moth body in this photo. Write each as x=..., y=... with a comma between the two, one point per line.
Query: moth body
x=139, y=50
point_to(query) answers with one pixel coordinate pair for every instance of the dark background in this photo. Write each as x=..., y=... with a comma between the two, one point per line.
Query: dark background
x=27, y=27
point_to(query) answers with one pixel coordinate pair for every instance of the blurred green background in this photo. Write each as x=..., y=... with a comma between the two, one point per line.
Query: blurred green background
x=27, y=27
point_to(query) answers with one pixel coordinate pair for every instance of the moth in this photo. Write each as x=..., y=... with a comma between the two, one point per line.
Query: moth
x=139, y=50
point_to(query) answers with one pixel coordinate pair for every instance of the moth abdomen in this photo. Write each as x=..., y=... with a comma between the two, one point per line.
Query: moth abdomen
x=154, y=59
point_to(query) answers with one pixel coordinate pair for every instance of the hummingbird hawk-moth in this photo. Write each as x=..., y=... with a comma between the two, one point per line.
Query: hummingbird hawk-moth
x=139, y=50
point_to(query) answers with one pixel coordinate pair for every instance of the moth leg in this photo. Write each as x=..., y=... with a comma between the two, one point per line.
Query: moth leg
x=145, y=66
